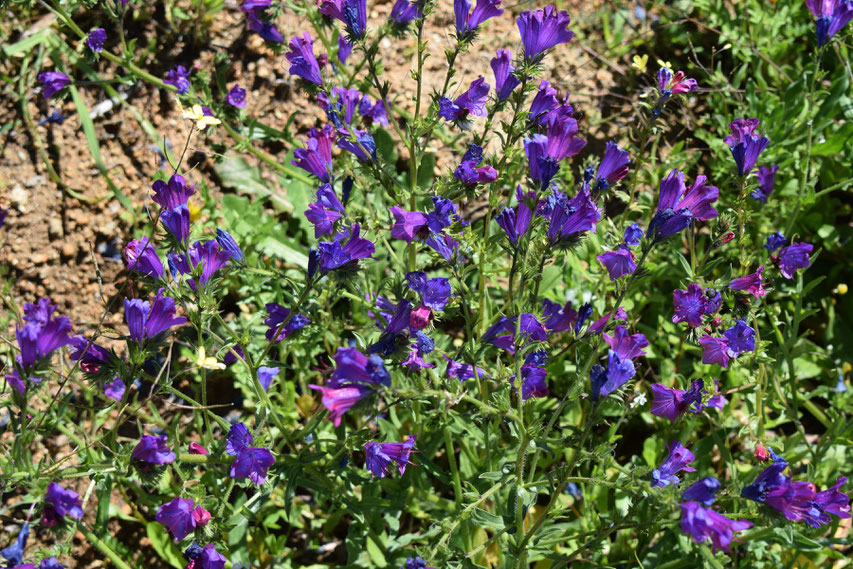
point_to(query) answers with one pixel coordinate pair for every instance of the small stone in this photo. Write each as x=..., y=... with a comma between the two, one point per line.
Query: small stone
x=54, y=228
x=20, y=197
x=69, y=250
x=34, y=181
x=39, y=259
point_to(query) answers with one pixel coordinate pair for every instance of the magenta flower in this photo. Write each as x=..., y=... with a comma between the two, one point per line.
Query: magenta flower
x=59, y=503
x=339, y=401
x=303, y=62
x=54, y=82
x=793, y=257
x=618, y=263
x=379, y=457
x=745, y=144
x=679, y=459
x=153, y=450
x=626, y=346
x=703, y=523
x=467, y=20
x=543, y=29
x=750, y=283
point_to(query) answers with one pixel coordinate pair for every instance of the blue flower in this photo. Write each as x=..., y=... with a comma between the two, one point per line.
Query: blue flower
x=303, y=62
x=95, y=39
x=543, y=29
x=505, y=81
x=380, y=457
x=179, y=79
x=679, y=459
x=467, y=21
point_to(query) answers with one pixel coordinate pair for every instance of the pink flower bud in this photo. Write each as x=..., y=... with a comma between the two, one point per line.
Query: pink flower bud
x=196, y=448
x=761, y=453
x=727, y=237
x=420, y=317
x=717, y=322
x=201, y=516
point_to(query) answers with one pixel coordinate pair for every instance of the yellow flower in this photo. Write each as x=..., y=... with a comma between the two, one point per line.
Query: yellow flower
x=640, y=62
x=195, y=211
x=201, y=120
x=202, y=360
x=662, y=63
x=841, y=289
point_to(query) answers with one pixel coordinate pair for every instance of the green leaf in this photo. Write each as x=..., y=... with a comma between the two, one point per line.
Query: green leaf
x=162, y=543
x=236, y=173
x=426, y=171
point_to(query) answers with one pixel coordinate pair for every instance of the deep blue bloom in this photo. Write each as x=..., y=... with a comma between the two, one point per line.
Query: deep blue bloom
x=277, y=316
x=49, y=563
x=362, y=146
x=832, y=16
x=774, y=241
x=239, y=438
x=703, y=491
x=505, y=81
x=54, y=82
x=95, y=39
x=353, y=367
x=179, y=78
x=54, y=117
x=344, y=49
x=544, y=153
x=740, y=338
x=745, y=144
x=14, y=554
x=766, y=181
x=153, y=450
x=236, y=97
x=515, y=222
x=632, y=235
x=303, y=62
x=41, y=333
x=353, y=13
x=227, y=243
x=543, y=29
x=334, y=255
x=316, y=157
x=177, y=222
x=679, y=459
x=146, y=320
x=435, y=292
x=380, y=457
x=690, y=305
x=404, y=12
x=467, y=21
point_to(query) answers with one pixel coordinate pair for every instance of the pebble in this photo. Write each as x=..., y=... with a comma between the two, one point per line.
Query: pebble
x=69, y=250
x=20, y=197
x=54, y=227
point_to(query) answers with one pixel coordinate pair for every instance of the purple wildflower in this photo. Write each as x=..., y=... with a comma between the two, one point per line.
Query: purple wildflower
x=715, y=351
x=236, y=97
x=613, y=167
x=740, y=338
x=153, y=450
x=339, y=401
x=177, y=222
x=361, y=144
x=505, y=81
x=766, y=181
x=145, y=320
x=250, y=462
x=404, y=12
x=469, y=174
x=502, y=332
x=142, y=257
x=467, y=20
x=471, y=102
x=353, y=13
x=354, y=368
x=570, y=217
x=278, y=315
x=750, y=283
x=180, y=517
x=633, y=234
x=266, y=375
x=543, y=29
x=325, y=211
x=41, y=333
x=59, y=503
x=671, y=402
x=91, y=356
x=54, y=82
x=679, y=459
x=690, y=305
x=774, y=241
x=207, y=254
x=832, y=16
x=380, y=456
x=793, y=257
x=229, y=245
x=303, y=62
x=435, y=292
x=462, y=371
x=603, y=381
x=703, y=523
x=95, y=40
x=171, y=194
x=179, y=78
x=408, y=225
x=618, y=263
x=678, y=206
x=745, y=144
x=533, y=382
x=333, y=255
x=115, y=389
x=316, y=157
x=703, y=491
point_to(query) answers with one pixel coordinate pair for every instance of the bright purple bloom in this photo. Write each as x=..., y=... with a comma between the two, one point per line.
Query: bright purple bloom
x=570, y=217
x=153, y=450
x=558, y=318
x=54, y=82
x=179, y=78
x=92, y=357
x=59, y=503
x=745, y=144
x=613, y=167
x=266, y=375
x=505, y=81
x=546, y=108
x=833, y=501
x=354, y=368
x=236, y=97
x=832, y=16
x=502, y=332
x=774, y=241
x=766, y=181
x=177, y=222
x=339, y=401
x=316, y=157
x=146, y=320
x=115, y=389
x=715, y=351
x=252, y=463
x=228, y=244
x=467, y=20
x=362, y=145
x=435, y=292
x=690, y=305
x=793, y=257
x=618, y=263
x=678, y=207
x=740, y=338
x=380, y=456
x=750, y=283
x=544, y=153
x=679, y=459
x=515, y=222
x=703, y=523
x=668, y=402
x=208, y=255
x=353, y=13
x=404, y=12
x=533, y=382
x=333, y=255
x=303, y=62
x=703, y=491
x=95, y=40
x=543, y=29
x=604, y=382
x=461, y=371
x=239, y=438
x=467, y=171
x=278, y=315
x=325, y=211
x=178, y=517
x=40, y=334
x=408, y=225
x=344, y=49
x=626, y=346
x=258, y=20
x=142, y=257
x=471, y=102
x=171, y=194
x=669, y=84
